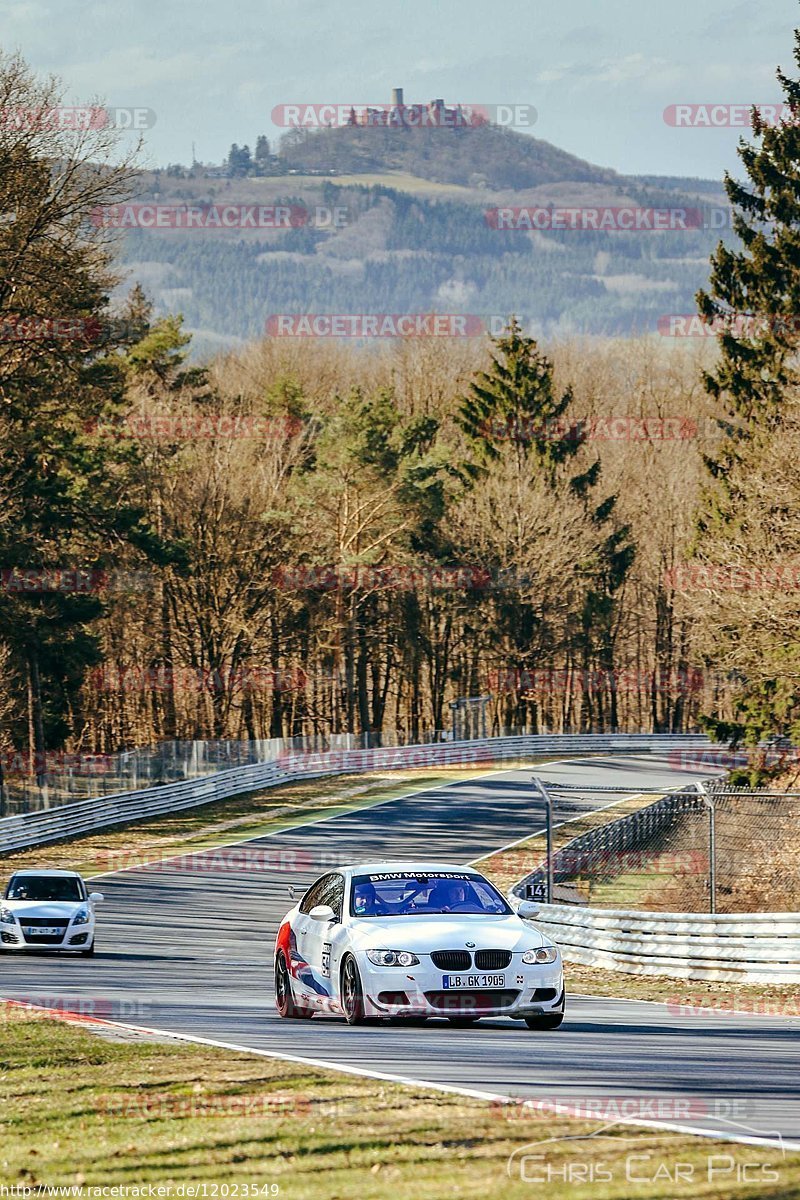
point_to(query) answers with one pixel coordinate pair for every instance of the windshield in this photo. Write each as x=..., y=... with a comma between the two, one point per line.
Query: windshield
x=43, y=887
x=397, y=894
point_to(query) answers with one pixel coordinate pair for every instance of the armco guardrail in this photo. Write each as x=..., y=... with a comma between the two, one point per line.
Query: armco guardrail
x=734, y=947
x=70, y=820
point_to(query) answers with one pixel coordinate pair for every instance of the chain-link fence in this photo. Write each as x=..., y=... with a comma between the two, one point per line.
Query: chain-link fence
x=703, y=849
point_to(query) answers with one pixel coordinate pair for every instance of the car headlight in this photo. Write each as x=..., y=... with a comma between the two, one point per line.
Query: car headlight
x=392, y=958
x=81, y=917
x=545, y=954
x=7, y=916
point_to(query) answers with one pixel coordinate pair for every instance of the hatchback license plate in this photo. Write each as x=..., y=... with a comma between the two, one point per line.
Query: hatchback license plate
x=473, y=981
x=39, y=931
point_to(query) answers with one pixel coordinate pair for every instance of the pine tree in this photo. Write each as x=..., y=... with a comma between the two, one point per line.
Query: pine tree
x=754, y=292
x=515, y=402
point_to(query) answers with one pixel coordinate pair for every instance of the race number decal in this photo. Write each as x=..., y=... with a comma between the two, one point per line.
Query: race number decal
x=326, y=959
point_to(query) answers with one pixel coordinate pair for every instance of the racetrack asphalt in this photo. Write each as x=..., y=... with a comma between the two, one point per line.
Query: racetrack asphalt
x=186, y=946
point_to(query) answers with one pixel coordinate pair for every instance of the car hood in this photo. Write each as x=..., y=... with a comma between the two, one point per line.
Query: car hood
x=423, y=934
x=56, y=909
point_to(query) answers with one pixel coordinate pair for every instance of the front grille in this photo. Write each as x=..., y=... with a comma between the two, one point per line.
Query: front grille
x=37, y=939
x=471, y=1002
x=492, y=960
x=44, y=922
x=544, y=994
x=452, y=960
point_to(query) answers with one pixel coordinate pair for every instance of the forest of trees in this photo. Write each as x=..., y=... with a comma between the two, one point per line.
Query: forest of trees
x=308, y=537
x=399, y=252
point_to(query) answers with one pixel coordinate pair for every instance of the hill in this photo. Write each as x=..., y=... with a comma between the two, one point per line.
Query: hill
x=414, y=242
x=483, y=156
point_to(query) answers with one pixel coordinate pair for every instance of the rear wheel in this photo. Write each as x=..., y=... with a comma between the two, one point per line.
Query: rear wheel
x=352, y=993
x=284, y=1000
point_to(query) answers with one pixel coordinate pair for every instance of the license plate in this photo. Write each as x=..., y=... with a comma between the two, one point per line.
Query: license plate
x=39, y=931
x=473, y=981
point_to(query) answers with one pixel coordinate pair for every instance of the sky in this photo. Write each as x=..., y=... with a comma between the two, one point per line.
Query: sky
x=600, y=73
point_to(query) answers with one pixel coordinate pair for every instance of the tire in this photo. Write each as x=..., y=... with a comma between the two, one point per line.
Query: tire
x=550, y=1020
x=89, y=951
x=463, y=1022
x=352, y=993
x=284, y=1000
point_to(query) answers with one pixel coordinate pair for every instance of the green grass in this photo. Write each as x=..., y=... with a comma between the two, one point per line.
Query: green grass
x=78, y=1109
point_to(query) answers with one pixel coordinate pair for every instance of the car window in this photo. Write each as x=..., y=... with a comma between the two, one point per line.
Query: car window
x=312, y=896
x=333, y=894
x=44, y=887
x=389, y=894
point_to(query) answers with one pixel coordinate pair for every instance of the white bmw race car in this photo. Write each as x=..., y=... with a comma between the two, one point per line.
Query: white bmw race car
x=413, y=940
x=48, y=910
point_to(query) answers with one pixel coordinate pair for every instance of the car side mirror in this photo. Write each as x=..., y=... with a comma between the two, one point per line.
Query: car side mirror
x=96, y=897
x=322, y=912
x=528, y=910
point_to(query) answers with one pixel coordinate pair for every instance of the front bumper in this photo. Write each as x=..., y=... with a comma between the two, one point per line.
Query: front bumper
x=420, y=991
x=74, y=937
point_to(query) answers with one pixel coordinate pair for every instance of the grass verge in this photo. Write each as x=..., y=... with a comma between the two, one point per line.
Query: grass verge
x=79, y=1110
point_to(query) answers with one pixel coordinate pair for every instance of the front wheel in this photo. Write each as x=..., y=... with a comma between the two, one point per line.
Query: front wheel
x=352, y=993
x=548, y=1021
x=284, y=1000
x=89, y=951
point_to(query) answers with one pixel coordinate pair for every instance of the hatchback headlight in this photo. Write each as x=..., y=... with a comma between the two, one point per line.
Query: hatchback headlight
x=545, y=954
x=81, y=917
x=7, y=916
x=392, y=958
